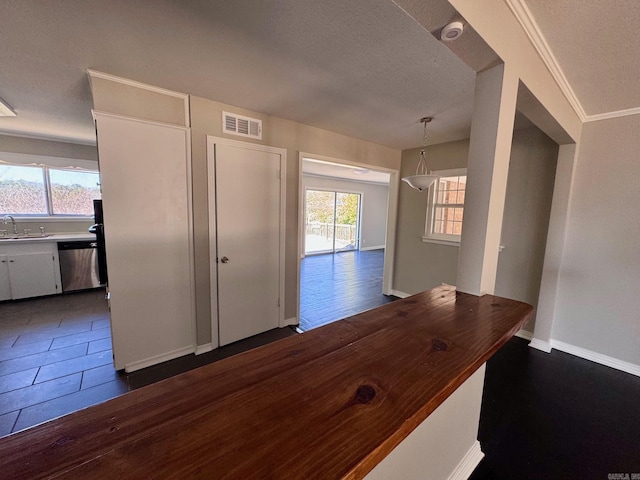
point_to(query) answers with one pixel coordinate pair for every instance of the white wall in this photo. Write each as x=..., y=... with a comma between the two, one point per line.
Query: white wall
x=373, y=216
x=598, y=305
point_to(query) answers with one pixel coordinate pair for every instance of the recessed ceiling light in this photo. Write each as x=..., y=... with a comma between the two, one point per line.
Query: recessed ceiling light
x=6, y=110
x=361, y=171
x=451, y=31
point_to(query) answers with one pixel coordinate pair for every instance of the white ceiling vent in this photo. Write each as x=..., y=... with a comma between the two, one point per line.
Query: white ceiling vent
x=234, y=124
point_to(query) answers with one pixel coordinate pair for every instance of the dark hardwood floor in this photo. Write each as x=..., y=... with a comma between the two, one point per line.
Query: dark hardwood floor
x=55, y=358
x=335, y=286
x=557, y=417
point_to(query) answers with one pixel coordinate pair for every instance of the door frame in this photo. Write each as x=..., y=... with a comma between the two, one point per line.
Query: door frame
x=392, y=215
x=304, y=215
x=212, y=141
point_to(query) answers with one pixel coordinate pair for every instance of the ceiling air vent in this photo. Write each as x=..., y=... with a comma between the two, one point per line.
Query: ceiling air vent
x=244, y=126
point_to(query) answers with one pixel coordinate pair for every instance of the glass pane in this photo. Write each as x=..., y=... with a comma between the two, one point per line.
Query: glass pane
x=72, y=192
x=460, y=199
x=437, y=226
x=347, y=205
x=458, y=214
x=438, y=213
x=457, y=228
x=22, y=191
x=319, y=221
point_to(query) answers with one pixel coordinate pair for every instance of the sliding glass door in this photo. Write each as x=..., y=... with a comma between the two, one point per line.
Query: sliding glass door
x=332, y=221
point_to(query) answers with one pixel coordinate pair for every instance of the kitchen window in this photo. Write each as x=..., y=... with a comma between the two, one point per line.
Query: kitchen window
x=445, y=208
x=43, y=191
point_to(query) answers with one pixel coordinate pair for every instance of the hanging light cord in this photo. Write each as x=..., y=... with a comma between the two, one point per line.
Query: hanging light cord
x=421, y=169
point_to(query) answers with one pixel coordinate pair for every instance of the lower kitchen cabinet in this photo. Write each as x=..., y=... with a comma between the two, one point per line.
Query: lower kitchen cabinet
x=29, y=270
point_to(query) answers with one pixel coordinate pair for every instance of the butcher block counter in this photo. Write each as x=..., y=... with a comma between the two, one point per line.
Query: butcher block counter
x=331, y=403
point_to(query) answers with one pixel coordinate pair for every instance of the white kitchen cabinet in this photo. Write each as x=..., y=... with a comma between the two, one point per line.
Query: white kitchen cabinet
x=32, y=275
x=5, y=284
x=29, y=270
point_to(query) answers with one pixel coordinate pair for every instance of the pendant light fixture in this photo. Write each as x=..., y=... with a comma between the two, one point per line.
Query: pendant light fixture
x=422, y=180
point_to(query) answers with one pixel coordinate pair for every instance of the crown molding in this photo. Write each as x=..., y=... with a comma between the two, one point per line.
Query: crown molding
x=526, y=20
x=616, y=114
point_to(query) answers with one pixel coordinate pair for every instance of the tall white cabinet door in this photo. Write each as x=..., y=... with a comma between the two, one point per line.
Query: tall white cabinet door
x=247, y=208
x=5, y=283
x=144, y=173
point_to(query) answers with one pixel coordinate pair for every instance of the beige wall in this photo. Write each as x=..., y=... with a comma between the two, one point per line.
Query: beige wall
x=419, y=265
x=525, y=224
x=206, y=119
x=598, y=303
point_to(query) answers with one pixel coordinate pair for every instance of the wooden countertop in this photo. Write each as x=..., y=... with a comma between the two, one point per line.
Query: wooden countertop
x=328, y=404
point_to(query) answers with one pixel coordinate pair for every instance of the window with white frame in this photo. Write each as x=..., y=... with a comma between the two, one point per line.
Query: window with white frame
x=445, y=209
x=40, y=190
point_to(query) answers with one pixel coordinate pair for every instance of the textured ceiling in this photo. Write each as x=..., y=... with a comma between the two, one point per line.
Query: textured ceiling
x=596, y=44
x=363, y=68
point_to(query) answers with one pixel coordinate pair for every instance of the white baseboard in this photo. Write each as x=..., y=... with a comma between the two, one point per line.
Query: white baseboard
x=597, y=357
x=540, y=345
x=468, y=463
x=527, y=335
x=399, y=294
x=147, y=362
x=289, y=321
x=377, y=247
x=207, y=347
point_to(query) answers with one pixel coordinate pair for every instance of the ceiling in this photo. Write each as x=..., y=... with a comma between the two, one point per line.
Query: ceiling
x=344, y=172
x=363, y=68
x=596, y=45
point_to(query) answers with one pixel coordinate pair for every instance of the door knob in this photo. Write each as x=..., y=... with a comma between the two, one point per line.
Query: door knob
x=224, y=260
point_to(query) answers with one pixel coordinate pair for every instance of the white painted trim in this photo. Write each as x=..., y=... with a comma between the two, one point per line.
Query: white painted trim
x=468, y=463
x=597, y=357
x=540, y=345
x=290, y=321
x=212, y=141
x=377, y=247
x=98, y=113
x=148, y=362
x=530, y=26
x=614, y=114
x=144, y=86
x=399, y=294
x=207, y=347
x=192, y=263
x=527, y=335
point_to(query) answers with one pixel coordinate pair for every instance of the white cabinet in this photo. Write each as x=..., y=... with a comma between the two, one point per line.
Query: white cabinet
x=28, y=270
x=5, y=285
x=144, y=175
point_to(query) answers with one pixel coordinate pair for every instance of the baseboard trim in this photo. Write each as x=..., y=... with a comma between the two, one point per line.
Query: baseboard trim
x=289, y=321
x=148, y=362
x=468, y=463
x=399, y=294
x=540, y=345
x=207, y=347
x=597, y=357
x=527, y=335
x=377, y=247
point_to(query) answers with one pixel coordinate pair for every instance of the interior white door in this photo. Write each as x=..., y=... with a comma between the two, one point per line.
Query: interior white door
x=247, y=200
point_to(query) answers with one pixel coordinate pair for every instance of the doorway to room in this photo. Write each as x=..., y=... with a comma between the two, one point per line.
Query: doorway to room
x=331, y=221
x=346, y=239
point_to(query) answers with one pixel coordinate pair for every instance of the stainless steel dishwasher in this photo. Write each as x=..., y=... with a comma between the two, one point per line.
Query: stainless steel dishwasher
x=78, y=265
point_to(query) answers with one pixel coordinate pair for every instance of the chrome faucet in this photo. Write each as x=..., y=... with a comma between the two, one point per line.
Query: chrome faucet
x=6, y=219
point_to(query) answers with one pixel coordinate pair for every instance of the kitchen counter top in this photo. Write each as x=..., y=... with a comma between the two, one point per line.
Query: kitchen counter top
x=55, y=237
x=330, y=403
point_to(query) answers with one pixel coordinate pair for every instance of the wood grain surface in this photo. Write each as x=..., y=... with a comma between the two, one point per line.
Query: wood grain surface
x=328, y=404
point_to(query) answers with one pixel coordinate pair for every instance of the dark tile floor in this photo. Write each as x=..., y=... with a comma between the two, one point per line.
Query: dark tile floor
x=335, y=286
x=556, y=417
x=55, y=358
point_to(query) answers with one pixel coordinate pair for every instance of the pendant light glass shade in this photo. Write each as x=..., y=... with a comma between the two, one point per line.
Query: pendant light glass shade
x=422, y=180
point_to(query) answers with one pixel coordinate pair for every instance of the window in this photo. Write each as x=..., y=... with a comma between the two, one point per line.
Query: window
x=45, y=191
x=446, y=207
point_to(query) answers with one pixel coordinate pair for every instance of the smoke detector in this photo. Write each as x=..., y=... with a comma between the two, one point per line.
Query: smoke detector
x=451, y=31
